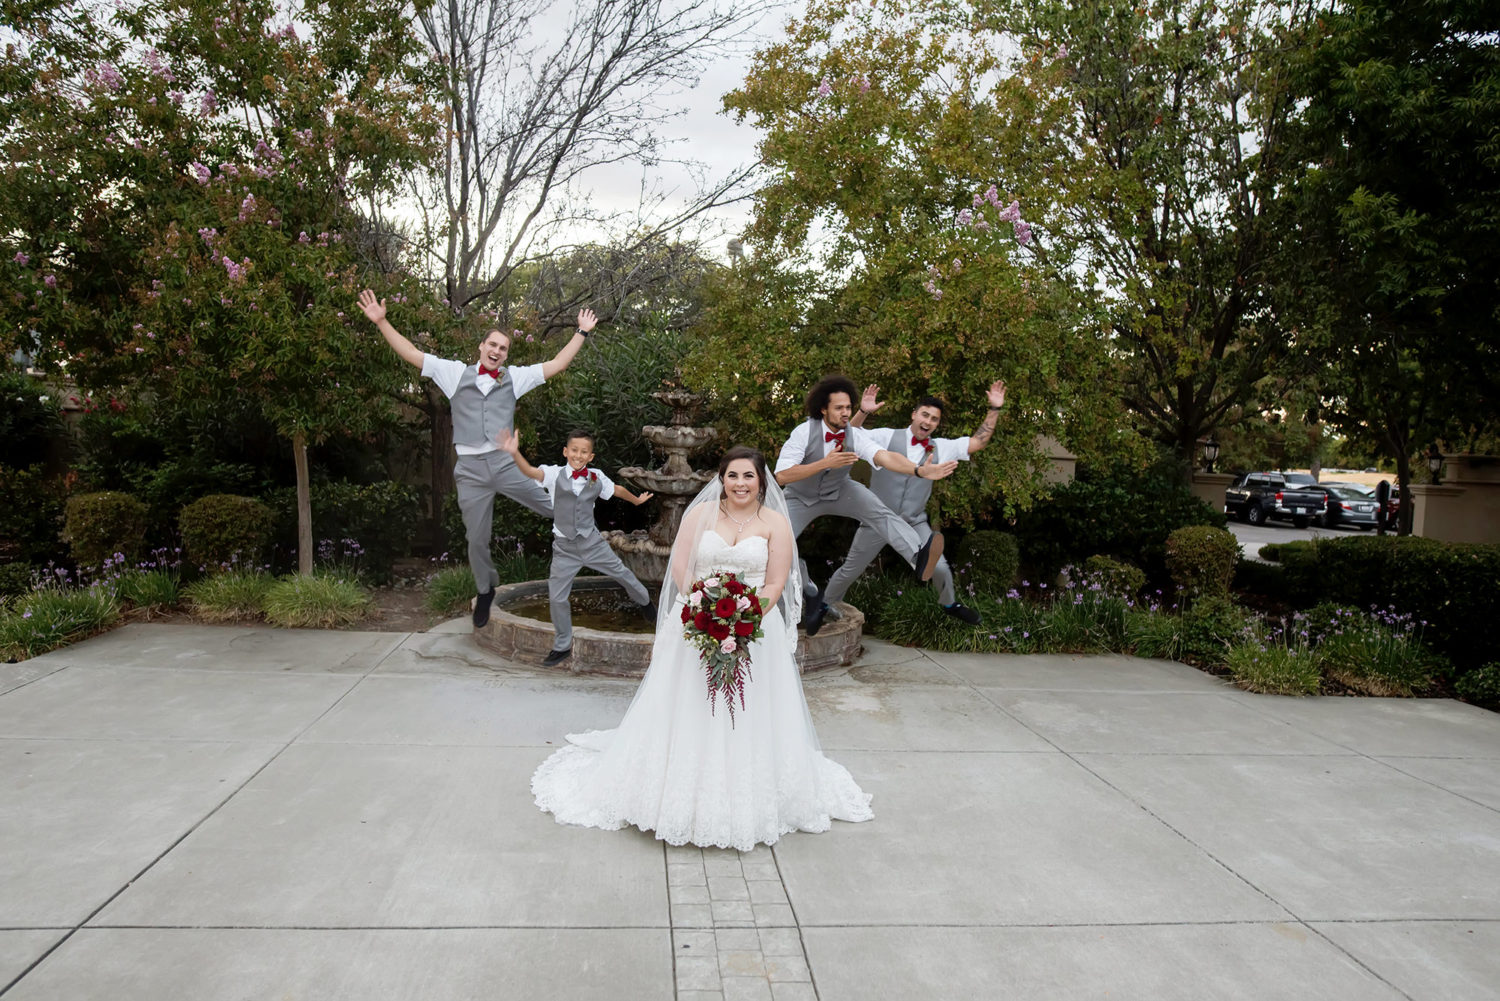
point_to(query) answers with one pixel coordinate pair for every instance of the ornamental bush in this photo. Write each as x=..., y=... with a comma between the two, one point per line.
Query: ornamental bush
x=381, y=518
x=1117, y=576
x=1201, y=559
x=1481, y=685
x=31, y=515
x=986, y=562
x=224, y=530
x=99, y=525
x=1121, y=512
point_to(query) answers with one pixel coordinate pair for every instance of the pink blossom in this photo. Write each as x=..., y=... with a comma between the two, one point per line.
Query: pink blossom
x=825, y=88
x=153, y=62
x=289, y=32
x=932, y=289
x=21, y=259
x=958, y=265
x=109, y=76
x=247, y=207
x=728, y=645
x=864, y=84
x=265, y=152
x=530, y=338
x=208, y=103
x=229, y=170
x=201, y=173
x=1011, y=212
x=710, y=582
x=966, y=217
x=236, y=272
x=50, y=281
x=978, y=201
x=208, y=235
x=1023, y=232
x=982, y=225
x=992, y=195
x=742, y=602
x=302, y=237
x=1062, y=51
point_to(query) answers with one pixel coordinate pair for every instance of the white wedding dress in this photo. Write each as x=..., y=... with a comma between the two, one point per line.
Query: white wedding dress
x=678, y=769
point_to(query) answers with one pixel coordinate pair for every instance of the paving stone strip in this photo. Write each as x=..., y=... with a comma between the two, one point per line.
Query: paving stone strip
x=734, y=937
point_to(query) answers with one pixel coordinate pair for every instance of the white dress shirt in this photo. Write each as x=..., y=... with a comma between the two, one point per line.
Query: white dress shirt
x=550, y=482
x=943, y=449
x=446, y=373
x=794, y=451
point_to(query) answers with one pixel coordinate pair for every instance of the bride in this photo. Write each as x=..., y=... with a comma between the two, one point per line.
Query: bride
x=677, y=768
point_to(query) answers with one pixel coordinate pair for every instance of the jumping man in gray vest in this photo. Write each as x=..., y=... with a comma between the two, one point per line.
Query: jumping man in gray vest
x=576, y=542
x=907, y=496
x=813, y=467
x=483, y=398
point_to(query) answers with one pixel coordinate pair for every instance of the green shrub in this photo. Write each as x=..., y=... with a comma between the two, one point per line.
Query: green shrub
x=1084, y=617
x=319, y=601
x=1274, y=669
x=380, y=518
x=224, y=530
x=1117, y=576
x=30, y=418
x=229, y=597
x=1153, y=634
x=986, y=562
x=99, y=525
x=152, y=590
x=1122, y=512
x=1209, y=628
x=515, y=530
x=31, y=515
x=912, y=617
x=1201, y=559
x=1378, y=653
x=1265, y=579
x=15, y=578
x=449, y=590
x=1481, y=685
x=52, y=617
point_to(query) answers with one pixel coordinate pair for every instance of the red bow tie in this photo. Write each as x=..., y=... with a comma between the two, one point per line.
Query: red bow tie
x=837, y=436
x=493, y=373
x=579, y=474
x=921, y=441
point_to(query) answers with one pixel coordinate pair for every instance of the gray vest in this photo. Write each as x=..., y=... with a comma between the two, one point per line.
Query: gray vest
x=905, y=495
x=478, y=417
x=825, y=485
x=573, y=514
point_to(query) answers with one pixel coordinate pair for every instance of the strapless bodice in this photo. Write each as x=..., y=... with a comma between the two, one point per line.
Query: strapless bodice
x=746, y=559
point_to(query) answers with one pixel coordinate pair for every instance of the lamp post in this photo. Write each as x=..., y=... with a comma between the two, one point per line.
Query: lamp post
x=1435, y=463
x=1210, y=454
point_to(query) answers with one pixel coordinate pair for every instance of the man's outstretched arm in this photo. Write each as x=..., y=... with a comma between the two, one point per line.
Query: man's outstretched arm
x=564, y=358
x=986, y=430
x=374, y=309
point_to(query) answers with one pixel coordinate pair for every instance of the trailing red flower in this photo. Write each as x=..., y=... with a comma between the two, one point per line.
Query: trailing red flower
x=687, y=613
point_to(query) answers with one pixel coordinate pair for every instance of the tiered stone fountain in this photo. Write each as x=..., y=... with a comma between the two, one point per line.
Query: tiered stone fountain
x=609, y=636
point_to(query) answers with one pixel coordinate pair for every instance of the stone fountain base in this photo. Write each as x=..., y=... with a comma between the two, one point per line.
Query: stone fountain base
x=626, y=655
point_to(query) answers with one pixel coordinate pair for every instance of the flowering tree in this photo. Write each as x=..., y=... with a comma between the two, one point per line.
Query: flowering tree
x=891, y=243
x=181, y=185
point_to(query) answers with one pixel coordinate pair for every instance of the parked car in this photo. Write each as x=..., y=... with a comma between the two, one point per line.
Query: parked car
x=1368, y=493
x=1297, y=479
x=1347, y=506
x=1259, y=497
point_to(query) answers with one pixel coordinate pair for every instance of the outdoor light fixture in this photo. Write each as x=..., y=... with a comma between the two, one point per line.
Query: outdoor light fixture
x=1434, y=461
x=1210, y=454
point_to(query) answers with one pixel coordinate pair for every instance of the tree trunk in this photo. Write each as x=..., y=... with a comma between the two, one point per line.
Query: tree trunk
x=440, y=463
x=304, y=506
x=1403, y=479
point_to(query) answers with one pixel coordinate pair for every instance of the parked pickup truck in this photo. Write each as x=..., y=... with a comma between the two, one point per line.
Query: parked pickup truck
x=1259, y=497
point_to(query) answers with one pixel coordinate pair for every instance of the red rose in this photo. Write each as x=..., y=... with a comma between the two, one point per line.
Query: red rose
x=755, y=604
x=725, y=608
x=701, y=622
x=744, y=628
x=687, y=613
x=719, y=631
x=734, y=587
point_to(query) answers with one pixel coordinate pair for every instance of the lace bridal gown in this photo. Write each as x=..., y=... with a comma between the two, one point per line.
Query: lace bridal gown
x=675, y=768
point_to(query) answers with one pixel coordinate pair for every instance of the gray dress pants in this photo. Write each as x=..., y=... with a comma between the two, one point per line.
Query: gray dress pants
x=867, y=545
x=570, y=556
x=857, y=501
x=476, y=480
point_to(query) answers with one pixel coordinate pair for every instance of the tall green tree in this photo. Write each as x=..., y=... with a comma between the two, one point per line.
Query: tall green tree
x=883, y=246
x=180, y=201
x=1398, y=216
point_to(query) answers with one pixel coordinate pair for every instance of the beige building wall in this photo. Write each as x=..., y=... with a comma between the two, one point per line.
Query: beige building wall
x=1465, y=507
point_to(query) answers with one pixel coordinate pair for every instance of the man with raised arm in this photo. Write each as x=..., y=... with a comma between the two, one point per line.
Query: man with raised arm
x=483, y=397
x=908, y=496
x=813, y=468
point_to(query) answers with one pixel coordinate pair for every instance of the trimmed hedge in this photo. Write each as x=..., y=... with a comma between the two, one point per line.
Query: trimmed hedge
x=221, y=530
x=100, y=525
x=987, y=561
x=1123, y=513
x=1201, y=559
x=1116, y=575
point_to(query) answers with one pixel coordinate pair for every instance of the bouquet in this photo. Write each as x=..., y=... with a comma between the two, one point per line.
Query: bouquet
x=722, y=618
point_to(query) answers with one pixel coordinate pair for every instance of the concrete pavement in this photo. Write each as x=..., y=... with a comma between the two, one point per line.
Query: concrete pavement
x=199, y=812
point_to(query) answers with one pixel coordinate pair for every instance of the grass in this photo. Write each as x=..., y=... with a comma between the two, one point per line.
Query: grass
x=320, y=601
x=229, y=597
x=51, y=617
x=1379, y=653
x=1274, y=669
x=449, y=590
x=152, y=590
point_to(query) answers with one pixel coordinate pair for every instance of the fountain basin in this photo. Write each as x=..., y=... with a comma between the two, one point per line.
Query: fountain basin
x=627, y=655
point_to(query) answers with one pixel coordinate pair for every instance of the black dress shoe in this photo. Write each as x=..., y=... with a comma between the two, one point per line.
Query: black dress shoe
x=557, y=656
x=812, y=623
x=482, y=608
x=648, y=611
x=964, y=612
x=928, y=556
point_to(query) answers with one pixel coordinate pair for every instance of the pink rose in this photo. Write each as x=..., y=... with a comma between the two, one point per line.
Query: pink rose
x=728, y=646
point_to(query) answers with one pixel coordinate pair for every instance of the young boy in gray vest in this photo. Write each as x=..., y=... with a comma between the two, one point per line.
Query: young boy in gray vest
x=906, y=495
x=483, y=396
x=813, y=468
x=576, y=542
